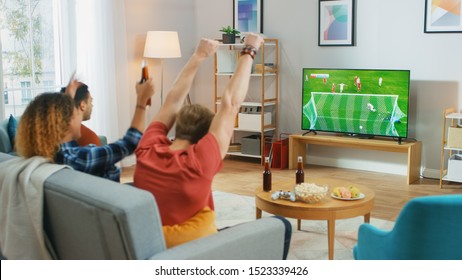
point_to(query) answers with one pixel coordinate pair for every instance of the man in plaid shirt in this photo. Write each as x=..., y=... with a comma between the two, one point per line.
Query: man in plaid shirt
x=100, y=161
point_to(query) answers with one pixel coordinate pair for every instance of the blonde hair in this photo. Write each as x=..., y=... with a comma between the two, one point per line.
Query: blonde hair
x=43, y=125
x=193, y=122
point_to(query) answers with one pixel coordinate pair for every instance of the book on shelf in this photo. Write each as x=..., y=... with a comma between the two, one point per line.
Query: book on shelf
x=234, y=147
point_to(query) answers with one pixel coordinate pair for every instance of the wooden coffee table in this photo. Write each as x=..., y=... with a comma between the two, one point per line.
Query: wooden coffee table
x=328, y=208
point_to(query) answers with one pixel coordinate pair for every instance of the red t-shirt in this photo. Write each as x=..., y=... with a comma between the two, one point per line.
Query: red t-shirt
x=181, y=180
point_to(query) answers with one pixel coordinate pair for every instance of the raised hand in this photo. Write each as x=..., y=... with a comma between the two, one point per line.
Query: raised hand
x=144, y=91
x=253, y=40
x=72, y=87
x=206, y=47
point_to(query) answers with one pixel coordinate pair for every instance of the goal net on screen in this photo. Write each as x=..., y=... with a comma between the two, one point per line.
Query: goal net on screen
x=353, y=113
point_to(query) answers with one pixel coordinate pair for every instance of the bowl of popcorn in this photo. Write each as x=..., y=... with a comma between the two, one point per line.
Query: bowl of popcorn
x=310, y=192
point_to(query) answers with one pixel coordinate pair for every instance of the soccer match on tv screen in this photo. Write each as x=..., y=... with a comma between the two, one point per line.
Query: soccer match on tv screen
x=356, y=101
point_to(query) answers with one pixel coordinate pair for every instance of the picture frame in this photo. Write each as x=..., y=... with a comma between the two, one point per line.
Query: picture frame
x=443, y=16
x=248, y=16
x=336, y=26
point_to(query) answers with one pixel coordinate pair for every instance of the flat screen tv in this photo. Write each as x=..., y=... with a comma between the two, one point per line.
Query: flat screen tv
x=365, y=102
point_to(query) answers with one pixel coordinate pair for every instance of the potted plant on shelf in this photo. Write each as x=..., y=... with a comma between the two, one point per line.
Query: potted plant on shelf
x=229, y=34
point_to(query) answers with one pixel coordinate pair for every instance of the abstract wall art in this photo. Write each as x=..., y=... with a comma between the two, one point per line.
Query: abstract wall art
x=336, y=23
x=443, y=16
x=248, y=15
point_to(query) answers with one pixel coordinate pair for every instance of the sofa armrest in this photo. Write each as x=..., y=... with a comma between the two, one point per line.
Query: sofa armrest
x=263, y=239
x=373, y=243
x=102, y=139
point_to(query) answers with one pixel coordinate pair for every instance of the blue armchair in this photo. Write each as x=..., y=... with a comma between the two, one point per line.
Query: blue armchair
x=427, y=228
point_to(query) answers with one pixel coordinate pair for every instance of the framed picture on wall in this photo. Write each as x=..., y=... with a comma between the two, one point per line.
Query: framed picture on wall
x=336, y=23
x=443, y=16
x=248, y=15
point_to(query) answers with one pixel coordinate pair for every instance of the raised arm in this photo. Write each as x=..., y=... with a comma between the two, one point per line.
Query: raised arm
x=182, y=85
x=223, y=123
x=143, y=92
x=72, y=87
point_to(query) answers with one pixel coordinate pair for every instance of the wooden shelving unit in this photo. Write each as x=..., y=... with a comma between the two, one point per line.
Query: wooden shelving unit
x=264, y=96
x=451, y=118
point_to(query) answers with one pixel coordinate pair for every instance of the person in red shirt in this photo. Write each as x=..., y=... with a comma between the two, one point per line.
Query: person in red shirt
x=179, y=174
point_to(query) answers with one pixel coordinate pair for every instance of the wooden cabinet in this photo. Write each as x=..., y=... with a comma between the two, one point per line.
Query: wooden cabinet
x=451, y=147
x=258, y=116
x=297, y=147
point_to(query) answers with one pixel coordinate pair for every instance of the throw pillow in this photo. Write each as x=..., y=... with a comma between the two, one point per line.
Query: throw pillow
x=87, y=137
x=12, y=127
x=200, y=225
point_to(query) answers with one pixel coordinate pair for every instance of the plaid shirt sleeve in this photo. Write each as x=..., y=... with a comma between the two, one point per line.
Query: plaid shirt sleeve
x=99, y=161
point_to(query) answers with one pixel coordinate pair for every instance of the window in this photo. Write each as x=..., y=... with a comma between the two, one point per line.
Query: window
x=26, y=94
x=48, y=86
x=5, y=96
x=28, y=37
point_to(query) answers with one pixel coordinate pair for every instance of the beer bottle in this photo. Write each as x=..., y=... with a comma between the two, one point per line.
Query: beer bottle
x=299, y=174
x=267, y=176
x=145, y=77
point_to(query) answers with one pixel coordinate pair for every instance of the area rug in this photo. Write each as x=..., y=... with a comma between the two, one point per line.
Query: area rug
x=310, y=243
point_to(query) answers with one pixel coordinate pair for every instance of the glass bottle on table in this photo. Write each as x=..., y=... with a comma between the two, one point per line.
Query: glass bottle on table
x=267, y=176
x=299, y=174
x=145, y=77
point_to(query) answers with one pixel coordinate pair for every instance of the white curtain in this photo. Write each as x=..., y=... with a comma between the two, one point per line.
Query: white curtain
x=2, y=101
x=100, y=33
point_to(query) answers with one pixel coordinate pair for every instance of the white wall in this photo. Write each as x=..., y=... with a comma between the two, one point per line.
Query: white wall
x=389, y=35
x=2, y=101
x=158, y=15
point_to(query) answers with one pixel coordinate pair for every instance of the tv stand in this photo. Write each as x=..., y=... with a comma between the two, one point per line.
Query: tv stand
x=297, y=147
x=360, y=136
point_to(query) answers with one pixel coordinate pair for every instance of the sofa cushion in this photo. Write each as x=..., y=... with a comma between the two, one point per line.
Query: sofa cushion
x=12, y=127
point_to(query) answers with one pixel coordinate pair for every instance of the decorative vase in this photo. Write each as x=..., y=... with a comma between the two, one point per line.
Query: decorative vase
x=229, y=38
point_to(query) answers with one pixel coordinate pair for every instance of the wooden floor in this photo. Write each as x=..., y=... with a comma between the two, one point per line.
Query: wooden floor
x=244, y=175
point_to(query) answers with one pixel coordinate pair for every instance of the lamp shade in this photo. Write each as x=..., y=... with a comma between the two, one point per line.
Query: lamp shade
x=162, y=44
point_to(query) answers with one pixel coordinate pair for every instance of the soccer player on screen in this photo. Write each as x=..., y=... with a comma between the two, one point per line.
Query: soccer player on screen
x=370, y=107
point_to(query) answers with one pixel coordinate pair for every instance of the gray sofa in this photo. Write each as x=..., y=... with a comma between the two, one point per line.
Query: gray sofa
x=87, y=217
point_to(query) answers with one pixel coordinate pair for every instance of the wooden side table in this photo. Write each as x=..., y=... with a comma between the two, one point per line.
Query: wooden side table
x=329, y=209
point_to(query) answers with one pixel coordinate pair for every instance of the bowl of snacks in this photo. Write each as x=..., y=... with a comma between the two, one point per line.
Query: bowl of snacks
x=310, y=192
